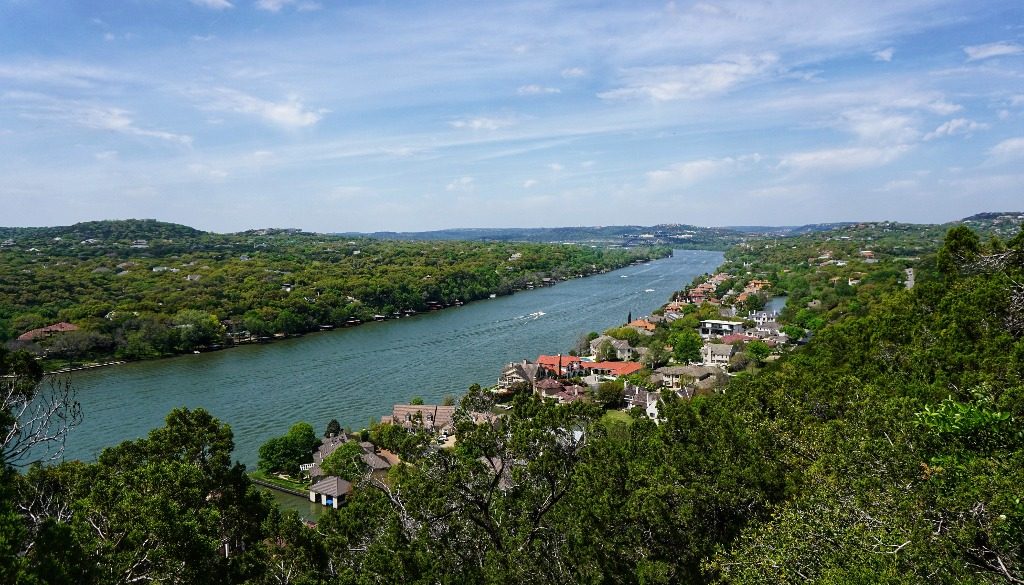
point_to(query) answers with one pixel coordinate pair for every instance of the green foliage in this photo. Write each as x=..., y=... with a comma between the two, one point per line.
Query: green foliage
x=345, y=462
x=286, y=453
x=333, y=428
x=686, y=346
x=186, y=289
x=757, y=350
x=610, y=394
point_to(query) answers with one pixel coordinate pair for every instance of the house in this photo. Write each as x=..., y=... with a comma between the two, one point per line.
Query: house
x=685, y=380
x=761, y=317
x=621, y=347
x=716, y=328
x=551, y=388
x=431, y=417
x=768, y=328
x=327, y=446
x=559, y=365
x=43, y=332
x=640, y=397
x=375, y=462
x=330, y=491
x=613, y=369
x=642, y=325
x=738, y=338
x=518, y=373
x=139, y=244
x=717, y=354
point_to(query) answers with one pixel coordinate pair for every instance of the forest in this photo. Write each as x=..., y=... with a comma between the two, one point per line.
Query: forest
x=140, y=288
x=889, y=449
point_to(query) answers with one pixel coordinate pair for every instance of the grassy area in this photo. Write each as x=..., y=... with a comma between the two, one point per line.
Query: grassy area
x=613, y=416
x=285, y=483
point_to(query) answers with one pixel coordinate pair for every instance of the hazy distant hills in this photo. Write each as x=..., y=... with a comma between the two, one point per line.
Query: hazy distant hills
x=676, y=235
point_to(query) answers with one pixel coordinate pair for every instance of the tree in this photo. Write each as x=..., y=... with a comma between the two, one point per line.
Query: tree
x=686, y=346
x=793, y=332
x=758, y=350
x=333, y=428
x=197, y=329
x=345, y=462
x=416, y=401
x=606, y=351
x=35, y=418
x=284, y=454
x=610, y=394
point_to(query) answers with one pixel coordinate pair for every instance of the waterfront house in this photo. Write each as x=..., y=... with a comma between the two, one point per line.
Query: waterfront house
x=621, y=347
x=44, y=332
x=330, y=491
x=432, y=417
x=327, y=446
x=518, y=373
x=559, y=365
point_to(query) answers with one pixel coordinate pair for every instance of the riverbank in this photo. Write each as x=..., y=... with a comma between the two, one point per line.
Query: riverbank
x=231, y=342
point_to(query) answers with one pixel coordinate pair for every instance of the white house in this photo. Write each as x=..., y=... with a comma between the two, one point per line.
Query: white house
x=715, y=328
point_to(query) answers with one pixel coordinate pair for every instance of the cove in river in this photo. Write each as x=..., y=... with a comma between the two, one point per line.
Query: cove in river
x=355, y=375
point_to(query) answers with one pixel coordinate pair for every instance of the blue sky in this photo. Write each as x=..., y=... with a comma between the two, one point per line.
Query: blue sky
x=337, y=116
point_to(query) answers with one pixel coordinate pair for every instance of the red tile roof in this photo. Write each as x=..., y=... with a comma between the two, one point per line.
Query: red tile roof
x=61, y=327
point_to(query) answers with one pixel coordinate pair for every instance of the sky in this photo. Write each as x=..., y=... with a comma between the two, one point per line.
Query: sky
x=353, y=115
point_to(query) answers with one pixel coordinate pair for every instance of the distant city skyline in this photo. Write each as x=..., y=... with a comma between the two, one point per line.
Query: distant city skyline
x=361, y=116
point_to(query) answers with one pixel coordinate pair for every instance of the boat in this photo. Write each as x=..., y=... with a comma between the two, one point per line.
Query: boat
x=493, y=296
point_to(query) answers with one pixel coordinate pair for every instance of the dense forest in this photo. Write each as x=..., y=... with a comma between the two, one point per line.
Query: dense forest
x=888, y=449
x=141, y=288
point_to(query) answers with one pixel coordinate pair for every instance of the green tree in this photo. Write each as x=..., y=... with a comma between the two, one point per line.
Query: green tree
x=333, y=428
x=686, y=346
x=345, y=462
x=757, y=350
x=286, y=453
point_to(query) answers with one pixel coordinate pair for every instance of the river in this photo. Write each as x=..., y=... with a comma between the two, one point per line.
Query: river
x=355, y=375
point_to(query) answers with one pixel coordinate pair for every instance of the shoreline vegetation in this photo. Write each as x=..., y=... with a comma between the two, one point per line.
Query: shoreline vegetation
x=129, y=290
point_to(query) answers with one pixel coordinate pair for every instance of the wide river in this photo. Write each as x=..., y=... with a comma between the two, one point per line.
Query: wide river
x=355, y=375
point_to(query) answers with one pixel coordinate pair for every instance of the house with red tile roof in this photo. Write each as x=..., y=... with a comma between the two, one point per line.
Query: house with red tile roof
x=47, y=331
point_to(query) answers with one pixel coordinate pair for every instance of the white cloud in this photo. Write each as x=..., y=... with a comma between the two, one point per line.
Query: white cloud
x=978, y=52
x=213, y=4
x=954, y=127
x=843, y=159
x=533, y=89
x=290, y=113
x=65, y=74
x=662, y=84
x=884, y=55
x=529, y=184
x=687, y=173
x=573, y=72
x=880, y=127
x=462, y=184
x=106, y=155
x=118, y=120
x=482, y=123
x=1011, y=148
x=277, y=5
x=555, y=167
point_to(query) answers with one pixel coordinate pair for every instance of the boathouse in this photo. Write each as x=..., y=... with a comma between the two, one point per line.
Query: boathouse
x=330, y=491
